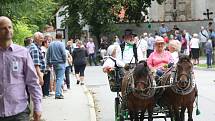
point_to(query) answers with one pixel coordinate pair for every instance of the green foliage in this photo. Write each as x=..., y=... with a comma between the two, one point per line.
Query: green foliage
x=204, y=65
x=33, y=12
x=41, y=13
x=21, y=31
x=28, y=16
x=101, y=15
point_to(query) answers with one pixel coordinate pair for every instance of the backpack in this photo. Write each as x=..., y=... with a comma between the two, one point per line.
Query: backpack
x=122, y=46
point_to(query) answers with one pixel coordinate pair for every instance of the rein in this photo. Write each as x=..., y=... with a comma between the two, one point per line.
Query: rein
x=145, y=93
x=175, y=80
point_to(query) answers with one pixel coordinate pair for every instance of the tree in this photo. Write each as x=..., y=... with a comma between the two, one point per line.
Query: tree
x=32, y=15
x=21, y=31
x=37, y=12
x=101, y=15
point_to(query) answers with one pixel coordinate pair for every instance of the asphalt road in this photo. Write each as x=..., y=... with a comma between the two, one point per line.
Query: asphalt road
x=104, y=98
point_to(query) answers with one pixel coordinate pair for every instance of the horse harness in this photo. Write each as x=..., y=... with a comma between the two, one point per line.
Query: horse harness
x=145, y=93
x=175, y=80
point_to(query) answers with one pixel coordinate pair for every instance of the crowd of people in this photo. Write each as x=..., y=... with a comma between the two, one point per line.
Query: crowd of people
x=38, y=70
x=164, y=47
x=43, y=67
x=54, y=61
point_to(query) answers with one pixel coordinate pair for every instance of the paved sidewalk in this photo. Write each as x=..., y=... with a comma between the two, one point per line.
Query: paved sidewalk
x=74, y=107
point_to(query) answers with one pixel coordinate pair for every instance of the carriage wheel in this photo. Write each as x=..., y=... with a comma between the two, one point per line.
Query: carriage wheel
x=118, y=115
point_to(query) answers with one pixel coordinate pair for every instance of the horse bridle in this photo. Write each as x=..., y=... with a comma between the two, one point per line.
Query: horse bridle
x=188, y=75
x=147, y=91
x=142, y=93
x=149, y=78
x=175, y=78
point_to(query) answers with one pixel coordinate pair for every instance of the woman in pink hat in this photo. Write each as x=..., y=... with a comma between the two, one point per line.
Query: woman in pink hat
x=160, y=59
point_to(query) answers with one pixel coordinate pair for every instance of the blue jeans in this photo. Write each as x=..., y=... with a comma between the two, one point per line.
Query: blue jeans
x=46, y=85
x=209, y=58
x=92, y=57
x=23, y=116
x=67, y=72
x=59, y=71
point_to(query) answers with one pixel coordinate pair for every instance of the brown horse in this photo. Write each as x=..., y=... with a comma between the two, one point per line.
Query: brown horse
x=137, y=93
x=183, y=92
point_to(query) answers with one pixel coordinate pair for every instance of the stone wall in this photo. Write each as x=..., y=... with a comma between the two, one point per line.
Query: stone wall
x=190, y=26
x=185, y=10
x=199, y=7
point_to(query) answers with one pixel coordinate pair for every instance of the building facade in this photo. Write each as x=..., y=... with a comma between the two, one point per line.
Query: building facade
x=181, y=10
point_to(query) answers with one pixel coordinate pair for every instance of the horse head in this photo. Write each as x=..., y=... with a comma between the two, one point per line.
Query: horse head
x=184, y=69
x=141, y=76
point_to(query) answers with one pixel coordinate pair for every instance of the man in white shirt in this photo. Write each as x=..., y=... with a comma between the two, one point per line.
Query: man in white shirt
x=129, y=52
x=142, y=44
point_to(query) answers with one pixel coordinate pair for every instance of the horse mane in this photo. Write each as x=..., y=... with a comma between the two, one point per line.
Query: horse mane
x=184, y=58
x=141, y=70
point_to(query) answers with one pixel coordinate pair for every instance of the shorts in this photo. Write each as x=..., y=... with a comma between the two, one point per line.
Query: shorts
x=195, y=53
x=79, y=69
x=52, y=75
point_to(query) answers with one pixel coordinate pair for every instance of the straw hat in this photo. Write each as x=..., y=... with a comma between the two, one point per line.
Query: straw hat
x=159, y=39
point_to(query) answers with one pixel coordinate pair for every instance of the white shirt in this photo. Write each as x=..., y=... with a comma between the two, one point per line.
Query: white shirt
x=143, y=45
x=194, y=43
x=67, y=54
x=175, y=57
x=128, y=54
x=44, y=52
x=110, y=63
x=91, y=47
x=203, y=38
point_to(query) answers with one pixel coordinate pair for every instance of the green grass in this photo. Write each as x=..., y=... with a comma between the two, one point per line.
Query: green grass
x=204, y=65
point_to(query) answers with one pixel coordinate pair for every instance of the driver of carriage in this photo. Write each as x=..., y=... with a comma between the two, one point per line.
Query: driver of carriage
x=160, y=60
x=129, y=52
x=110, y=60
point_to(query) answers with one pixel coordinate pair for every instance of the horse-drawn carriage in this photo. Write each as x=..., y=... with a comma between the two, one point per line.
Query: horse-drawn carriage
x=142, y=95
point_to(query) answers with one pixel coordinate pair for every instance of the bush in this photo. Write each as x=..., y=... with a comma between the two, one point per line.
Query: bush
x=21, y=31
